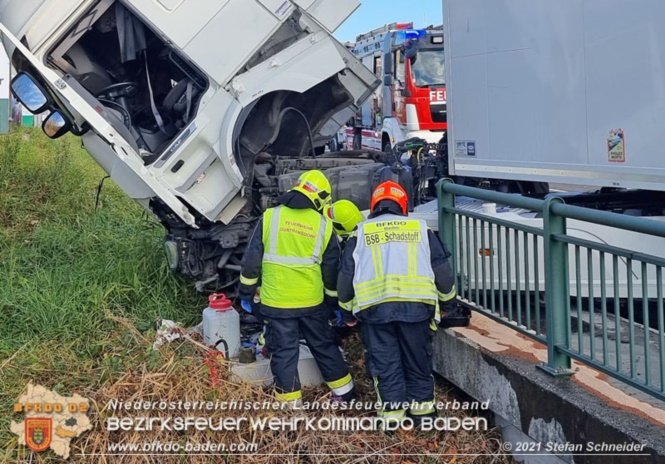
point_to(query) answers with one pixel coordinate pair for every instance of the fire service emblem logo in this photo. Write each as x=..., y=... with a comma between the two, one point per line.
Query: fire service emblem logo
x=38, y=433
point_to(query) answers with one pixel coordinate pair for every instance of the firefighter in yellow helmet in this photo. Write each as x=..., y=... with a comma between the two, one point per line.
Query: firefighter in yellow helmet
x=294, y=255
x=395, y=277
x=345, y=217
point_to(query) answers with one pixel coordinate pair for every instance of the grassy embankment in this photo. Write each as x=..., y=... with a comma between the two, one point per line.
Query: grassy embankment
x=79, y=294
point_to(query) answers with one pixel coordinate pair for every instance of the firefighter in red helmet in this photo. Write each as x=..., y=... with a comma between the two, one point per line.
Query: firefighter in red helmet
x=395, y=278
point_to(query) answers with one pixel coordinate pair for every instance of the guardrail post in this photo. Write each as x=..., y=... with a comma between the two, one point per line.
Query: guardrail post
x=447, y=222
x=556, y=291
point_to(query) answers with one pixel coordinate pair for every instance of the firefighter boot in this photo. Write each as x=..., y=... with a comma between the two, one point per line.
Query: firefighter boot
x=418, y=418
x=348, y=397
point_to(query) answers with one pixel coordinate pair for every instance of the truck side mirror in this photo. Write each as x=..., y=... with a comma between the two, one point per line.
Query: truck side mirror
x=388, y=80
x=56, y=125
x=30, y=93
x=388, y=61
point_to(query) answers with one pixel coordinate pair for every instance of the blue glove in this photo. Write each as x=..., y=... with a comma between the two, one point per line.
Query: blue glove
x=339, y=322
x=246, y=305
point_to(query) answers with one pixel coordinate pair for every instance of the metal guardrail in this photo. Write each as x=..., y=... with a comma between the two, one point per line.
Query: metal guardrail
x=519, y=273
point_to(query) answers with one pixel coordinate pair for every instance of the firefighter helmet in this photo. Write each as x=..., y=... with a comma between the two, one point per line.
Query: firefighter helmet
x=315, y=186
x=391, y=191
x=345, y=216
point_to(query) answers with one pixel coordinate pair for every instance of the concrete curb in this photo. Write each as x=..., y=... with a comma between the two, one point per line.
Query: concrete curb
x=490, y=361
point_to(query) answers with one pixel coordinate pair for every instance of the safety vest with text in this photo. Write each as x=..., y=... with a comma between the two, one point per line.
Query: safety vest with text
x=392, y=263
x=294, y=241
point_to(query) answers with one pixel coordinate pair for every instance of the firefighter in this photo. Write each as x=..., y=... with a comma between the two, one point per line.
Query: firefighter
x=395, y=276
x=294, y=254
x=357, y=123
x=345, y=217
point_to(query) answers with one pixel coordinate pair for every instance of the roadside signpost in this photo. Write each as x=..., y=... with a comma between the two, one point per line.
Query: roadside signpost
x=4, y=92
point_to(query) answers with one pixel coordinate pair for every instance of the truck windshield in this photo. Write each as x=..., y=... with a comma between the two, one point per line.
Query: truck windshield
x=428, y=69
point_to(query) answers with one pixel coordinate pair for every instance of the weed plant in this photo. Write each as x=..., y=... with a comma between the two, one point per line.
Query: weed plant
x=67, y=272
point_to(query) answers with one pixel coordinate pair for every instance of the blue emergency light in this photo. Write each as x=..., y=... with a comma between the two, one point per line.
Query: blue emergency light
x=415, y=33
x=412, y=34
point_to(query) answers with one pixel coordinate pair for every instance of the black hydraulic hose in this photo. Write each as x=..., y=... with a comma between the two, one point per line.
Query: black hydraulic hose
x=99, y=191
x=281, y=115
x=226, y=347
x=309, y=129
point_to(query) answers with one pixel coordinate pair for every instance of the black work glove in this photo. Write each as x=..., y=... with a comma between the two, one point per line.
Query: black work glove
x=454, y=315
x=348, y=319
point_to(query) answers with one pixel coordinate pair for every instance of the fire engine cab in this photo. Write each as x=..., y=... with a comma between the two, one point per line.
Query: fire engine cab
x=412, y=100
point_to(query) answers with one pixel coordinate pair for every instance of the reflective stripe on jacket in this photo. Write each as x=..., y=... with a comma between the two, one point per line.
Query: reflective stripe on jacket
x=392, y=263
x=294, y=241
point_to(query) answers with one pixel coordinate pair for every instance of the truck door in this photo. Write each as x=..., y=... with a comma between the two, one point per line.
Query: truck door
x=399, y=84
x=108, y=131
x=377, y=98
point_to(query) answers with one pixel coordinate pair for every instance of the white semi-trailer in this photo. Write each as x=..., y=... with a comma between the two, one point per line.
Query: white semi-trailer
x=566, y=91
x=570, y=91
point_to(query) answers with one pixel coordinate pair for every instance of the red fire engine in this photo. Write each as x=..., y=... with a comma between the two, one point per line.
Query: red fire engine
x=412, y=100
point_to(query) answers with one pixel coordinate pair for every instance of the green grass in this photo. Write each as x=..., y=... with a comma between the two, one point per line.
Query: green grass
x=68, y=273
x=79, y=294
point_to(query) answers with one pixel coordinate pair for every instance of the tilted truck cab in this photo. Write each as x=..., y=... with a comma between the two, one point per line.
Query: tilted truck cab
x=194, y=107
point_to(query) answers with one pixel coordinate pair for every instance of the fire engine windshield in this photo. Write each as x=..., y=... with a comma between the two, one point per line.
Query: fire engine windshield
x=428, y=69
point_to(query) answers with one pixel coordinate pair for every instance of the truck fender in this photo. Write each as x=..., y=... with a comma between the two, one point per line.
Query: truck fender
x=393, y=131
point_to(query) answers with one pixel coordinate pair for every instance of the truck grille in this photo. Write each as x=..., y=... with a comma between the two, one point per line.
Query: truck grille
x=439, y=113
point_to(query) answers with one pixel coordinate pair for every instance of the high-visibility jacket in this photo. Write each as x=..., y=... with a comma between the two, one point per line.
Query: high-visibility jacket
x=392, y=263
x=294, y=241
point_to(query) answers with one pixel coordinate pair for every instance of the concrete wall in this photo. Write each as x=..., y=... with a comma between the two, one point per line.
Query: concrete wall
x=490, y=361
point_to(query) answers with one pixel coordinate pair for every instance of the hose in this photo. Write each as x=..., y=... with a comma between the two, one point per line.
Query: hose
x=309, y=129
x=99, y=191
x=226, y=347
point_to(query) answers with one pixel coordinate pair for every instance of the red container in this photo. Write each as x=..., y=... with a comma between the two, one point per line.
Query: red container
x=219, y=302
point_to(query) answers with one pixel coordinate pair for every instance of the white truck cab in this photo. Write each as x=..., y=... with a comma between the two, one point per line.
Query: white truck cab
x=194, y=107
